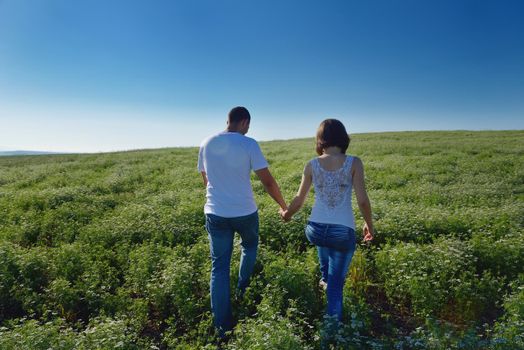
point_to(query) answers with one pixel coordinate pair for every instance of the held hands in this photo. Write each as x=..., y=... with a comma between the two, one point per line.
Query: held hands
x=284, y=215
x=367, y=232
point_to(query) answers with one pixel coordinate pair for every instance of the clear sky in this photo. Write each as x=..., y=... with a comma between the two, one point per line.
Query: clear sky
x=87, y=76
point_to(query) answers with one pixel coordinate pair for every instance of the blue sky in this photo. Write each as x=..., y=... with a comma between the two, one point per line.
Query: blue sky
x=88, y=76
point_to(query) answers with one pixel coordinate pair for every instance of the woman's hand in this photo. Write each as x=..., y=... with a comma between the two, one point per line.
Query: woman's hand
x=367, y=232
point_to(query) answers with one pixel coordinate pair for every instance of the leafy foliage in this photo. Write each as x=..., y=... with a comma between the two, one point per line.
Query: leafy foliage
x=108, y=251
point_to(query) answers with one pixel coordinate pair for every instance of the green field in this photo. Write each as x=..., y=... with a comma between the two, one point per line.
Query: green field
x=105, y=251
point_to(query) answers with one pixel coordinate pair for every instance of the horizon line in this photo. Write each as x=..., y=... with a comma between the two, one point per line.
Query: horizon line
x=44, y=152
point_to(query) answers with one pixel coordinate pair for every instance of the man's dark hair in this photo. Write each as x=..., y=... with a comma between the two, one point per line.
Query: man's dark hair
x=331, y=132
x=238, y=114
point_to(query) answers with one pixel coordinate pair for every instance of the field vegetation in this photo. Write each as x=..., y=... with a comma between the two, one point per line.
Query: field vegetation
x=109, y=251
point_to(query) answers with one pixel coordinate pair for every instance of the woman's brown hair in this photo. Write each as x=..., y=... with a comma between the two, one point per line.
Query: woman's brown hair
x=332, y=133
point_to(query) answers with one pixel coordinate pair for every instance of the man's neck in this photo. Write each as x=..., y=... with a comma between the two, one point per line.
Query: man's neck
x=232, y=130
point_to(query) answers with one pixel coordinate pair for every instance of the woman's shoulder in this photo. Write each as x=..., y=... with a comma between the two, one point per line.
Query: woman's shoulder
x=312, y=161
x=356, y=164
x=355, y=160
x=310, y=165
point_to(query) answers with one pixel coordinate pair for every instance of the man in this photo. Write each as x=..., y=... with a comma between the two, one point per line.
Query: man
x=225, y=161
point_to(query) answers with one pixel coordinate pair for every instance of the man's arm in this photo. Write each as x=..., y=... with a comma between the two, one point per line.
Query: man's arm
x=271, y=186
x=204, y=177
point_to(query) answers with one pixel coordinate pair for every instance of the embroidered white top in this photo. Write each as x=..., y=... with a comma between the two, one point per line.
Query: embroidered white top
x=332, y=194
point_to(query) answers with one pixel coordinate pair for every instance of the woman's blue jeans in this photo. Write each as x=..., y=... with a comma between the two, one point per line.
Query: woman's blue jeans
x=336, y=245
x=221, y=232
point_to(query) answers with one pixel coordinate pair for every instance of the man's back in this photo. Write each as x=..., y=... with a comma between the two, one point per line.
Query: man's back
x=227, y=159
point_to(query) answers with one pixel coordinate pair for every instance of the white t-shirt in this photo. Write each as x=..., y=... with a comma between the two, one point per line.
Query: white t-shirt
x=228, y=158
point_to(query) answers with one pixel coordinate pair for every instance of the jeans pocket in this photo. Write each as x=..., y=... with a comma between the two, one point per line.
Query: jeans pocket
x=215, y=222
x=341, y=238
x=314, y=233
x=247, y=227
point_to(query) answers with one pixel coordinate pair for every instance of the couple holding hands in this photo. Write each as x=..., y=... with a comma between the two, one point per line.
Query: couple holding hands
x=226, y=160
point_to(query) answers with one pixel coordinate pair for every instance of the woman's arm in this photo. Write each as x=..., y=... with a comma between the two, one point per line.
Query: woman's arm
x=301, y=196
x=362, y=197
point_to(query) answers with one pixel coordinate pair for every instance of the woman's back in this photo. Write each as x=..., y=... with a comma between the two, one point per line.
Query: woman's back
x=332, y=181
x=333, y=175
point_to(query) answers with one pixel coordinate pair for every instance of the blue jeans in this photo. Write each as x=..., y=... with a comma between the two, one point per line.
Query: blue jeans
x=336, y=245
x=221, y=232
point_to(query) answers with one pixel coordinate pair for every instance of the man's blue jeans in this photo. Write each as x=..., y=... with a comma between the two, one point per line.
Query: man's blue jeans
x=221, y=233
x=336, y=245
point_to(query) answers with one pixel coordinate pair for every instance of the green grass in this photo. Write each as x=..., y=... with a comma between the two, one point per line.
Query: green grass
x=110, y=251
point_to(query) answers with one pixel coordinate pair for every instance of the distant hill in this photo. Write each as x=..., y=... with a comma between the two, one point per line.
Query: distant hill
x=24, y=153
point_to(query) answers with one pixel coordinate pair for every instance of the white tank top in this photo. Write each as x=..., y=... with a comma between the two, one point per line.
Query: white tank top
x=332, y=194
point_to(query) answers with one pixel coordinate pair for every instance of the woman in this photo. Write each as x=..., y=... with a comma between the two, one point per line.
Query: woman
x=331, y=225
